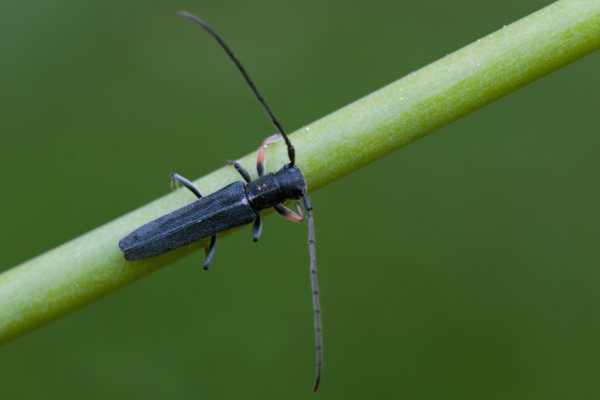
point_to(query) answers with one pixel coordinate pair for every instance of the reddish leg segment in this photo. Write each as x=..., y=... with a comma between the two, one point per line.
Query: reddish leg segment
x=290, y=215
x=260, y=155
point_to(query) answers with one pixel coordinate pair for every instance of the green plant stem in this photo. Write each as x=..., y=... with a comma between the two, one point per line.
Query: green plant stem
x=91, y=266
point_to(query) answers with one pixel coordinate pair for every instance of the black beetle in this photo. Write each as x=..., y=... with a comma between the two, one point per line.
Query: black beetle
x=234, y=205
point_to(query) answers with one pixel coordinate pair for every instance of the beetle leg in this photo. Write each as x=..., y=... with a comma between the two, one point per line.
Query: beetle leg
x=290, y=215
x=260, y=155
x=176, y=180
x=210, y=252
x=257, y=228
x=242, y=171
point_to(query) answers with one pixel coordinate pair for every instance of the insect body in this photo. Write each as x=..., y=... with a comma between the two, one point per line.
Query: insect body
x=234, y=205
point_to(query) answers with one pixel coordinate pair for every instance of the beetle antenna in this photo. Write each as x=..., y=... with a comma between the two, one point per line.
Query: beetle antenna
x=314, y=287
x=238, y=64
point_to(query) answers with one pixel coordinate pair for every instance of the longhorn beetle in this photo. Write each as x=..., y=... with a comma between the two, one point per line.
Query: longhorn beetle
x=236, y=204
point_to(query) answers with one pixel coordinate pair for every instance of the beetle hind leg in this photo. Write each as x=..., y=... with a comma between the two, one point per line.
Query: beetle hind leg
x=257, y=228
x=210, y=252
x=177, y=180
x=241, y=170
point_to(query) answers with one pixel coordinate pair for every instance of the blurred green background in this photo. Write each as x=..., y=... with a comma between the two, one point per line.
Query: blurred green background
x=464, y=266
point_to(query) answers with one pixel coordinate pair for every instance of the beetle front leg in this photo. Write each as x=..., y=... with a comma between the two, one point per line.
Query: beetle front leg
x=176, y=180
x=290, y=215
x=260, y=155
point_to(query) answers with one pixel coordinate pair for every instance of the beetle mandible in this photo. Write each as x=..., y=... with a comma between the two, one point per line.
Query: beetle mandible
x=234, y=205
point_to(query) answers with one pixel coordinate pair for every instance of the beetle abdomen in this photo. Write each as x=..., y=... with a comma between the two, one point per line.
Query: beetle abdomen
x=222, y=210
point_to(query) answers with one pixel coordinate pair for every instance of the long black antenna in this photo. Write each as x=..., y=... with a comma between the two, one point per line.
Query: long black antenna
x=314, y=287
x=236, y=61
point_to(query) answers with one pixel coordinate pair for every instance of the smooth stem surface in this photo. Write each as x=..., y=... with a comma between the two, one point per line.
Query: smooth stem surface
x=91, y=266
